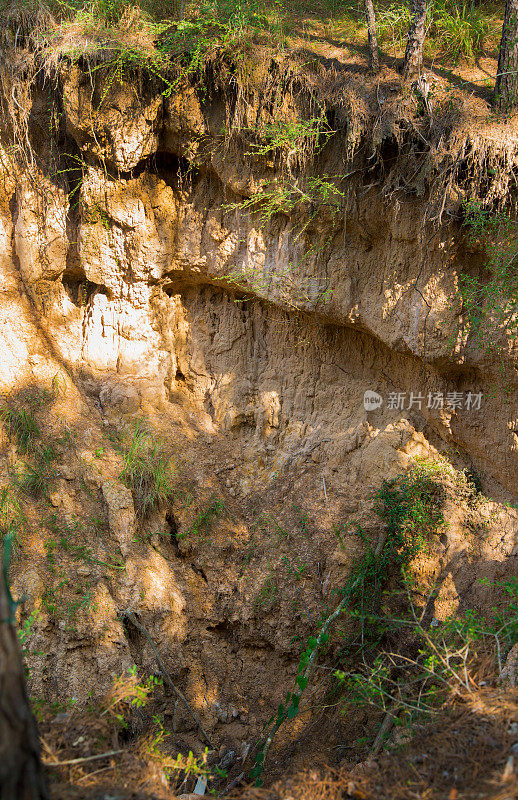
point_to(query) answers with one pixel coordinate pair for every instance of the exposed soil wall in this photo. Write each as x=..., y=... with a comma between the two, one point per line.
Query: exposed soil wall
x=134, y=275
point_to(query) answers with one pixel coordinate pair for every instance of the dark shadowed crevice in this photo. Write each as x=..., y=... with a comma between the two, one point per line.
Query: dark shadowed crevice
x=80, y=290
x=172, y=533
x=199, y=571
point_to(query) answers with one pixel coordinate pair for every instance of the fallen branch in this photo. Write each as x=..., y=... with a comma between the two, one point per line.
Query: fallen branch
x=385, y=727
x=95, y=772
x=71, y=761
x=134, y=621
x=234, y=783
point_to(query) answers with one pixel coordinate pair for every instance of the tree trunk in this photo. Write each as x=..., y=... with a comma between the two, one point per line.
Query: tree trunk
x=506, y=85
x=414, y=49
x=374, y=59
x=21, y=772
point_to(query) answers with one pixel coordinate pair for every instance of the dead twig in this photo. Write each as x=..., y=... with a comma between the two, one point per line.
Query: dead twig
x=71, y=761
x=385, y=727
x=96, y=772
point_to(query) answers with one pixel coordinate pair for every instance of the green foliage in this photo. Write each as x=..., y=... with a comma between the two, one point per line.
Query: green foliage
x=294, y=569
x=148, y=471
x=393, y=21
x=308, y=196
x=292, y=142
x=291, y=285
x=25, y=634
x=12, y=604
x=19, y=420
x=504, y=621
x=455, y=29
x=12, y=520
x=110, y=11
x=268, y=596
x=63, y=535
x=410, y=505
x=120, y=37
x=128, y=691
x=460, y=29
x=63, y=599
x=436, y=659
x=181, y=768
x=491, y=301
x=290, y=708
x=167, y=40
x=222, y=27
x=411, y=508
x=406, y=662
x=203, y=520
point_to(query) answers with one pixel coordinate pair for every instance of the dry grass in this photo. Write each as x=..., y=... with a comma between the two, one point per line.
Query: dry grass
x=91, y=39
x=463, y=755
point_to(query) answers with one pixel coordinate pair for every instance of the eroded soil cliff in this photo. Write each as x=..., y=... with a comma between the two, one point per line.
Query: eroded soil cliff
x=148, y=298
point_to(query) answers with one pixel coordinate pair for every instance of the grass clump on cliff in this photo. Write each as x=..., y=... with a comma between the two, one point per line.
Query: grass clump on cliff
x=20, y=423
x=21, y=426
x=148, y=471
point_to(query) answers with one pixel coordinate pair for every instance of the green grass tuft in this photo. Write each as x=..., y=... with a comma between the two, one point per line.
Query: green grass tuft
x=148, y=471
x=39, y=474
x=21, y=426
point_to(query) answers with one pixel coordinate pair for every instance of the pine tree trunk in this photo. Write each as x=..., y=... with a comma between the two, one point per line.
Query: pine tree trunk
x=374, y=59
x=414, y=49
x=21, y=772
x=506, y=85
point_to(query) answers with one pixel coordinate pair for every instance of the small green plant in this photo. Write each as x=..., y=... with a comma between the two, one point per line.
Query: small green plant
x=127, y=691
x=295, y=569
x=204, y=519
x=268, y=596
x=148, y=471
x=181, y=768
